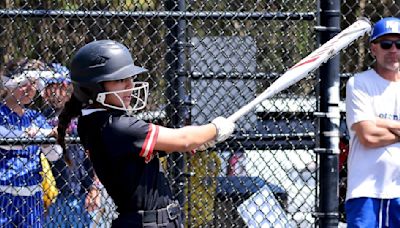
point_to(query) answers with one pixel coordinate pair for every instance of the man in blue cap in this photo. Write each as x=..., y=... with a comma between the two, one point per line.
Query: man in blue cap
x=373, y=120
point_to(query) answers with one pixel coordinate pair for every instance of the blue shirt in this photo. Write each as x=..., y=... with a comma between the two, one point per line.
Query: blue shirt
x=21, y=167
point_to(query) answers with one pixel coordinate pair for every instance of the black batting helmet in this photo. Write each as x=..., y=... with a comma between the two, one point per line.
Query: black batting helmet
x=99, y=61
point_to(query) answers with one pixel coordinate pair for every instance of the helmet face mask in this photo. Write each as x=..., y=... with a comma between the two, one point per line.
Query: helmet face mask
x=139, y=93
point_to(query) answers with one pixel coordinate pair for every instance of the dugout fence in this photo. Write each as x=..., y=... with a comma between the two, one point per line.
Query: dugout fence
x=208, y=58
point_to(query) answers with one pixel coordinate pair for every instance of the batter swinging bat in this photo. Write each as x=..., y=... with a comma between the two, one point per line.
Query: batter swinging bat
x=309, y=63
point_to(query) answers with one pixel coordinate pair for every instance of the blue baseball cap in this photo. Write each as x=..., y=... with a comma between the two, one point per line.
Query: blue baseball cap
x=61, y=74
x=385, y=26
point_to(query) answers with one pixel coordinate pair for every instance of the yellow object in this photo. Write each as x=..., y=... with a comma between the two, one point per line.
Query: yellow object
x=50, y=190
x=202, y=188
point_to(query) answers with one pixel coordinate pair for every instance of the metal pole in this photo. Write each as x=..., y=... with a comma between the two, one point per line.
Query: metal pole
x=176, y=75
x=327, y=214
x=177, y=15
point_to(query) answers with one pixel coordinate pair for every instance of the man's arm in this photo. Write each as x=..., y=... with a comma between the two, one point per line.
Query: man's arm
x=377, y=134
x=52, y=152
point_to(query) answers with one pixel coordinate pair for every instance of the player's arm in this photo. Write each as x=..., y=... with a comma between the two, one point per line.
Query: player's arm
x=192, y=137
x=185, y=138
x=377, y=134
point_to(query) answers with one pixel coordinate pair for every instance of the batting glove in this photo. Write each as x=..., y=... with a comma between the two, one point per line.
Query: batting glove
x=206, y=145
x=224, y=127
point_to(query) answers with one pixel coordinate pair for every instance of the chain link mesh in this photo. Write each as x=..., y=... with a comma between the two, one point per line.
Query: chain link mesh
x=206, y=58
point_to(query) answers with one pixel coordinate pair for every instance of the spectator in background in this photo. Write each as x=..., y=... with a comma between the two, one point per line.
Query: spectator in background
x=21, y=202
x=373, y=112
x=100, y=206
x=74, y=180
x=237, y=163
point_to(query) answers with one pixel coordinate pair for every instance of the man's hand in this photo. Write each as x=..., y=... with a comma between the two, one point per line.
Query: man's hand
x=93, y=200
x=32, y=131
x=395, y=131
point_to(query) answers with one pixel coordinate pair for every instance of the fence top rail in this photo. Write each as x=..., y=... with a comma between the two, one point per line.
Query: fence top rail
x=35, y=141
x=189, y=15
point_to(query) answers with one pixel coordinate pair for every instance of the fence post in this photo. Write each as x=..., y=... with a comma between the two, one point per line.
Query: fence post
x=176, y=75
x=328, y=147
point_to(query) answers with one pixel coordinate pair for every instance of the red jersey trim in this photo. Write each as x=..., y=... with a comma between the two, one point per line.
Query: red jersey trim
x=149, y=142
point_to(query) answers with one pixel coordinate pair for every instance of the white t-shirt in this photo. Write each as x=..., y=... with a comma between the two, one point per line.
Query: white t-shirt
x=372, y=172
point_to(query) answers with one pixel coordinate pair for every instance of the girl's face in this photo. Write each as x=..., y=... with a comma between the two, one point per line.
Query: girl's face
x=57, y=94
x=122, y=84
x=24, y=94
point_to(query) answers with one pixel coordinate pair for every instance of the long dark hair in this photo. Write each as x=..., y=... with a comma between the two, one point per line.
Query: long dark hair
x=72, y=109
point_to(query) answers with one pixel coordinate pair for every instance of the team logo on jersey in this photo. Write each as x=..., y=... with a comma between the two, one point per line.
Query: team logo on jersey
x=389, y=116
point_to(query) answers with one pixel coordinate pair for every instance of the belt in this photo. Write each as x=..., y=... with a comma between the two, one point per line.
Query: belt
x=162, y=215
x=21, y=191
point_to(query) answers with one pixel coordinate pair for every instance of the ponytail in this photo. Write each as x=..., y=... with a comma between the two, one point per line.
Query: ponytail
x=71, y=110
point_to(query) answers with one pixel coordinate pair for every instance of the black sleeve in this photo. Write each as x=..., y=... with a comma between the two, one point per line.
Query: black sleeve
x=128, y=135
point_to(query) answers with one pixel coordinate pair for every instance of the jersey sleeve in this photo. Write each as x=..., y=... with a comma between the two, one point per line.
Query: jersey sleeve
x=358, y=103
x=130, y=135
x=149, y=143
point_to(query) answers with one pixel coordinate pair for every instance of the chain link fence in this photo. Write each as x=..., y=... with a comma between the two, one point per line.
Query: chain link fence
x=205, y=59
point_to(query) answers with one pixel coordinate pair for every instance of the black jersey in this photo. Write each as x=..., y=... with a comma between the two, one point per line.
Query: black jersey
x=120, y=148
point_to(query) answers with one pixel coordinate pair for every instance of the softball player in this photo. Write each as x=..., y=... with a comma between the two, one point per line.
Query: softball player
x=21, y=201
x=124, y=150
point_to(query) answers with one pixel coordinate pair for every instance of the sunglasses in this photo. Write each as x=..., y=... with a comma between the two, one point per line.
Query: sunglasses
x=387, y=44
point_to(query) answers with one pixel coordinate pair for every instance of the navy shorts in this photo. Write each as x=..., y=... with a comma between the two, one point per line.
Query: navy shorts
x=372, y=212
